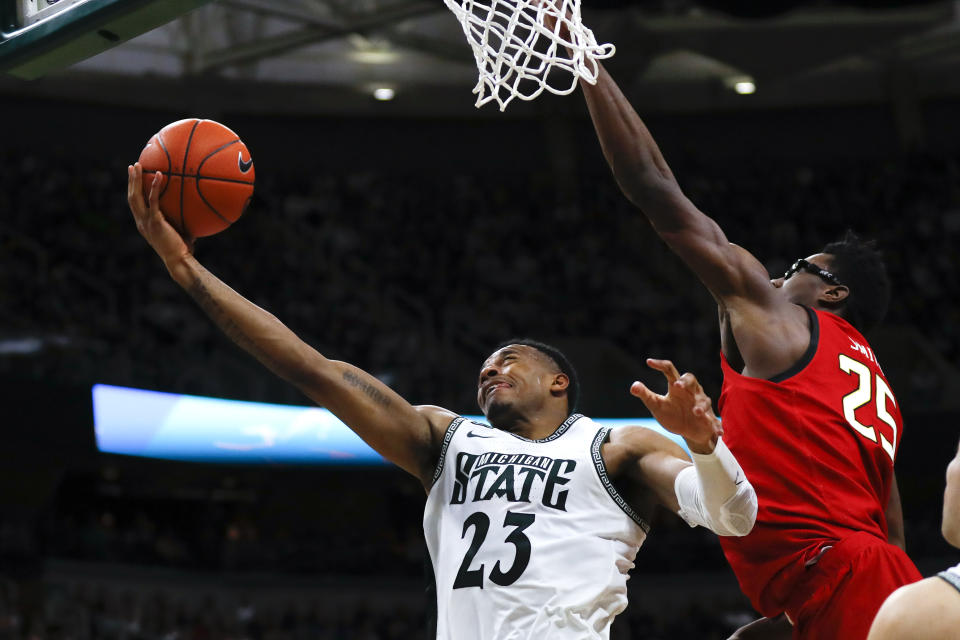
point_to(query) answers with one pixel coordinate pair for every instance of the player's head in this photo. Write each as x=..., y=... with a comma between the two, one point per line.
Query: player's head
x=523, y=376
x=951, y=502
x=847, y=277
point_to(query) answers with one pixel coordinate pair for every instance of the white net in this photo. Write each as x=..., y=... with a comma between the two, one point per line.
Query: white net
x=518, y=43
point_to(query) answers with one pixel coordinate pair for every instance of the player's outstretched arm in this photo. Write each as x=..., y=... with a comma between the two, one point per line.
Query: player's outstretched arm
x=647, y=181
x=407, y=436
x=713, y=491
x=645, y=178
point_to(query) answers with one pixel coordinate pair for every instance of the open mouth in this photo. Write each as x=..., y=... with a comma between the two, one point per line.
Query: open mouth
x=494, y=387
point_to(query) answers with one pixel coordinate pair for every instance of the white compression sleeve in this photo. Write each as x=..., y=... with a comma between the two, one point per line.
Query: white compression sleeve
x=716, y=494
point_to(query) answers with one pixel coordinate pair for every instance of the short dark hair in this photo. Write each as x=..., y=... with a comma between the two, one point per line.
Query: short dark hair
x=573, y=389
x=858, y=264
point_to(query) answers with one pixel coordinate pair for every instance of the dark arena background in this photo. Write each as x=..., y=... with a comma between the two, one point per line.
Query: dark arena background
x=410, y=234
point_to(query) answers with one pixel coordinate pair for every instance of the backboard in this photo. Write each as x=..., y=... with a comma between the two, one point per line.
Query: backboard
x=40, y=36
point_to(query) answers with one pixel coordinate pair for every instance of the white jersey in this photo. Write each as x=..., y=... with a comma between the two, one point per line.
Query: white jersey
x=528, y=538
x=952, y=575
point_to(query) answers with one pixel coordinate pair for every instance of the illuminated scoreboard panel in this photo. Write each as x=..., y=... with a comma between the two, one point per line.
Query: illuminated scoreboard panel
x=180, y=427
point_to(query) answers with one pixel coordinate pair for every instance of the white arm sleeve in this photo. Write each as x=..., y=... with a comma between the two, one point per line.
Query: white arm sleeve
x=716, y=494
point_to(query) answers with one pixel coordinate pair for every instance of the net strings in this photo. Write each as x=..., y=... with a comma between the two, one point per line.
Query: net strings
x=516, y=51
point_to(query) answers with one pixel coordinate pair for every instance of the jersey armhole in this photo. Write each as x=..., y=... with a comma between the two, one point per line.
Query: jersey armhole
x=807, y=356
x=602, y=436
x=447, y=437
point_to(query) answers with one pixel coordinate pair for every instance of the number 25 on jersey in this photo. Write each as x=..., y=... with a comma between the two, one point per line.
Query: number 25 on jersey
x=864, y=393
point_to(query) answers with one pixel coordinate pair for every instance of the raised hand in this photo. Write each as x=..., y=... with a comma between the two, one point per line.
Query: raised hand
x=685, y=410
x=551, y=12
x=151, y=223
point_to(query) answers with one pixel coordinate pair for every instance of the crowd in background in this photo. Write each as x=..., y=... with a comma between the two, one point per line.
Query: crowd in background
x=367, y=522
x=416, y=278
x=97, y=611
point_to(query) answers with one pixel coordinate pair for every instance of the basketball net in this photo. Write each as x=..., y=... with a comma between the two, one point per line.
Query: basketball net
x=516, y=50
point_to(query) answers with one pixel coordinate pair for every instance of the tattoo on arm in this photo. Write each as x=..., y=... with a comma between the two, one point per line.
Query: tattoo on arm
x=225, y=319
x=199, y=292
x=370, y=390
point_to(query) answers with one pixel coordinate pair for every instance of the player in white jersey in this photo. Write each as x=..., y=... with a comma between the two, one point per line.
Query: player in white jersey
x=929, y=609
x=532, y=523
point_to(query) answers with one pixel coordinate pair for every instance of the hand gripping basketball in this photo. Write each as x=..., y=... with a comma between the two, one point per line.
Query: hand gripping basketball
x=151, y=223
x=207, y=175
x=685, y=410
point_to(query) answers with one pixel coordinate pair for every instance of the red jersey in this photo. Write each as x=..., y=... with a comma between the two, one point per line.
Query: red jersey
x=818, y=444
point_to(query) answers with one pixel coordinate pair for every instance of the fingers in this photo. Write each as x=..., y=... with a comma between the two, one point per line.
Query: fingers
x=134, y=196
x=666, y=368
x=135, y=190
x=639, y=389
x=154, y=196
x=688, y=381
x=648, y=397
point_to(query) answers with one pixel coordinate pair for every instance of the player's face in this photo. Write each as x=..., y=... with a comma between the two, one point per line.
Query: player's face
x=513, y=380
x=951, y=502
x=800, y=285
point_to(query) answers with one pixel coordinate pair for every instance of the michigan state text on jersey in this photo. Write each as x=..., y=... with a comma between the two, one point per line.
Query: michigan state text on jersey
x=528, y=534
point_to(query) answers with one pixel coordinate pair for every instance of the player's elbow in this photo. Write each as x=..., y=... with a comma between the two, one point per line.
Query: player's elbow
x=737, y=526
x=739, y=513
x=653, y=192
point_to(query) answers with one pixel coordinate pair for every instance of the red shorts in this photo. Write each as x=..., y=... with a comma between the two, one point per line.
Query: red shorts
x=842, y=592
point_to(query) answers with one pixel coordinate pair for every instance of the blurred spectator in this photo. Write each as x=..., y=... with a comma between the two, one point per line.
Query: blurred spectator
x=413, y=278
x=82, y=611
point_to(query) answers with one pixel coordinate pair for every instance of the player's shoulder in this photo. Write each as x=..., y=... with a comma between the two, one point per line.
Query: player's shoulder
x=433, y=411
x=637, y=441
x=438, y=417
x=928, y=609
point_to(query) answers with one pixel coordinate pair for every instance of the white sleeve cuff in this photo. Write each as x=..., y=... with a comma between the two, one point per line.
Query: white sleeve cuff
x=716, y=494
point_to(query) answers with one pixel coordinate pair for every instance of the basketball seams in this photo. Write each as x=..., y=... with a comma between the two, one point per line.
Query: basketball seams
x=211, y=207
x=214, y=152
x=201, y=176
x=215, y=144
x=215, y=178
x=163, y=147
x=186, y=154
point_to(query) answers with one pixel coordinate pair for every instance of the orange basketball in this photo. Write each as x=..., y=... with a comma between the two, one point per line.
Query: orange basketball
x=207, y=175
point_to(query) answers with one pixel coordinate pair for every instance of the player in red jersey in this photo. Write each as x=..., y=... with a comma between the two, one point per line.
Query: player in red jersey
x=805, y=404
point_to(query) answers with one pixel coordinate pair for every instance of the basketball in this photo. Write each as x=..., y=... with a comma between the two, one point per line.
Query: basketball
x=207, y=172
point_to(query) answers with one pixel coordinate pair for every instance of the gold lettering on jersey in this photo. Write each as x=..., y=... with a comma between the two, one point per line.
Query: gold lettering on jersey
x=864, y=351
x=862, y=395
x=511, y=477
